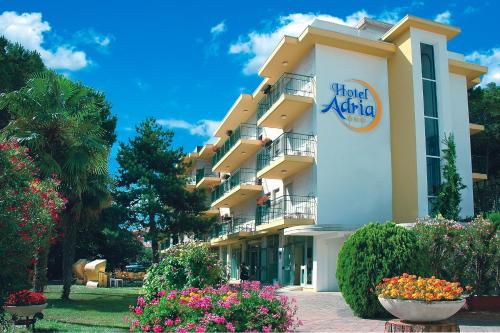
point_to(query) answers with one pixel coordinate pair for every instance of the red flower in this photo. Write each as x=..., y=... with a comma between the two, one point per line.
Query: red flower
x=25, y=297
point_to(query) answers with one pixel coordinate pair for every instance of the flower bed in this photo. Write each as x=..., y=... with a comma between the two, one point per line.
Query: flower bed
x=24, y=298
x=245, y=308
x=411, y=287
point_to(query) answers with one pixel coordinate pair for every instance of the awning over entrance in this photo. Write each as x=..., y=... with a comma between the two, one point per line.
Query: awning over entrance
x=327, y=230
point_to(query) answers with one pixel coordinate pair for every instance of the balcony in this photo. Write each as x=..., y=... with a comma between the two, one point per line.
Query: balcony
x=285, y=101
x=190, y=182
x=479, y=168
x=233, y=228
x=286, y=211
x=240, y=186
x=205, y=178
x=241, y=144
x=287, y=155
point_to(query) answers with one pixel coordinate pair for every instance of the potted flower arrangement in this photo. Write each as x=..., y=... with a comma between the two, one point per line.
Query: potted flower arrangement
x=263, y=200
x=25, y=303
x=419, y=299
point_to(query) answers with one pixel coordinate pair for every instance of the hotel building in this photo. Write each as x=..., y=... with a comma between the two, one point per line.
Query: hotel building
x=345, y=128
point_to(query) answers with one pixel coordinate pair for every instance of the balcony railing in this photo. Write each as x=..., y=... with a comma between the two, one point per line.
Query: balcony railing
x=233, y=225
x=289, y=84
x=241, y=176
x=479, y=164
x=205, y=172
x=286, y=144
x=243, y=131
x=287, y=207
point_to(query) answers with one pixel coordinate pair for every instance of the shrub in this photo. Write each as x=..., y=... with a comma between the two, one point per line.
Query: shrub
x=185, y=265
x=494, y=217
x=469, y=253
x=225, y=309
x=373, y=252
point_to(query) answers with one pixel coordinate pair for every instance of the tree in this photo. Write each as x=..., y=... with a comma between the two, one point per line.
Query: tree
x=16, y=65
x=484, y=108
x=64, y=125
x=152, y=186
x=448, y=200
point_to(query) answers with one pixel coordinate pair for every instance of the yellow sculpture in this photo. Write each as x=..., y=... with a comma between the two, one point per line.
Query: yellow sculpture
x=92, y=270
x=79, y=271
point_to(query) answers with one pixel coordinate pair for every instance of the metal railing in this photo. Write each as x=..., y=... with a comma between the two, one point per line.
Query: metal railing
x=205, y=172
x=289, y=84
x=286, y=144
x=287, y=207
x=232, y=225
x=241, y=176
x=479, y=164
x=243, y=131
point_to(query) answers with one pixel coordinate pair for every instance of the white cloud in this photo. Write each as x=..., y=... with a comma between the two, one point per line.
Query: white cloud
x=218, y=28
x=204, y=127
x=444, y=17
x=28, y=30
x=489, y=58
x=258, y=45
x=91, y=37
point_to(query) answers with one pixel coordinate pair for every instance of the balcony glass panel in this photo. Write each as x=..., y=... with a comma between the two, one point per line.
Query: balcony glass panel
x=242, y=132
x=239, y=177
x=232, y=225
x=289, y=84
x=286, y=207
x=294, y=144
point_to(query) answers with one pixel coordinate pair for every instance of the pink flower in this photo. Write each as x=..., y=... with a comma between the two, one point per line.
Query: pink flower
x=146, y=328
x=200, y=329
x=161, y=293
x=190, y=325
x=182, y=330
x=154, y=301
x=177, y=321
x=157, y=329
x=267, y=329
x=169, y=322
x=263, y=310
x=138, y=311
x=141, y=302
x=230, y=327
x=173, y=294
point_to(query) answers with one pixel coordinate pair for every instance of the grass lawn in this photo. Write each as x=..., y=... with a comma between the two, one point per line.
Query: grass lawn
x=88, y=310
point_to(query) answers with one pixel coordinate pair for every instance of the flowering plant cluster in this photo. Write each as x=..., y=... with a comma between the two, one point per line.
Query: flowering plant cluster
x=25, y=297
x=411, y=287
x=245, y=308
x=185, y=265
x=465, y=252
x=29, y=214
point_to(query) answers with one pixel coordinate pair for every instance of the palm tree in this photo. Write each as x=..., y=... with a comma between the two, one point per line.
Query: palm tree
x=65, y=126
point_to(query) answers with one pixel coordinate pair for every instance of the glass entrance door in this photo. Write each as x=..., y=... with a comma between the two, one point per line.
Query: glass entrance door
x=298, y=261
x=288, y=267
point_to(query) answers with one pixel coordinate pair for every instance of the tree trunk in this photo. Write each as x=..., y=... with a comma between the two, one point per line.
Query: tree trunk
x=40, y=277
x=71, y=222
x=153, y=235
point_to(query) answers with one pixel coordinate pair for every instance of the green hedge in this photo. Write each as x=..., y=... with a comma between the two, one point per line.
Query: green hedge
x=373, y=252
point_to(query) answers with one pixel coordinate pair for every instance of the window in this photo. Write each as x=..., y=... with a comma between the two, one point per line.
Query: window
x=432, y=150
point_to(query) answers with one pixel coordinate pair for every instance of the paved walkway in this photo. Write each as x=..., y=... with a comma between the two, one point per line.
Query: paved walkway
x=327, y=312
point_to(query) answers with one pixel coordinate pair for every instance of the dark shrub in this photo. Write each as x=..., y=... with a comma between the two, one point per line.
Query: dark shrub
x=373, y=252
x=185, y=265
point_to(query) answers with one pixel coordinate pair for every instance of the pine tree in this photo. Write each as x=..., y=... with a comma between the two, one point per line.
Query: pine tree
x=449, y=197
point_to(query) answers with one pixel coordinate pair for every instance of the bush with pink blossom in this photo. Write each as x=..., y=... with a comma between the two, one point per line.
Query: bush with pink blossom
x=228, y=308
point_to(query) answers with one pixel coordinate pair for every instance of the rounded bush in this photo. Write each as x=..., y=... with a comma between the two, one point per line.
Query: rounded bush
x=185, y=265
x=370, y=254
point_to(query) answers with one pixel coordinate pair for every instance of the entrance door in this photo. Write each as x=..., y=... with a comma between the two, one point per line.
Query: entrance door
x=306, y=268
x=235, y=263
x=253, y=261
x=288, y=265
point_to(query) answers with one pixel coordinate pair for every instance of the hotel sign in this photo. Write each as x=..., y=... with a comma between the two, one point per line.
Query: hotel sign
x=356, y=104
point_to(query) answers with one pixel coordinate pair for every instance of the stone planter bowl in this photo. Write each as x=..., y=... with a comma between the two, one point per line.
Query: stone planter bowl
x=25, y=310
x=420, y=311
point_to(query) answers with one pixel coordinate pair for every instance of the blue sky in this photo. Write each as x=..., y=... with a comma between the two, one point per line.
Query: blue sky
x=185, y=62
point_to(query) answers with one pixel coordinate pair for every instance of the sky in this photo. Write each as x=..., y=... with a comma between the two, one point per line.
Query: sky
x=185, y=62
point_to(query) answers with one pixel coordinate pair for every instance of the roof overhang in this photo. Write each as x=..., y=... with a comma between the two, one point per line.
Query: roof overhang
x=411, y=21
x=239, y=113
x=467, y=69
x=291, y=50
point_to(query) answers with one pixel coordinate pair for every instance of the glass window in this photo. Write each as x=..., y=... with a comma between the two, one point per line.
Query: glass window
x=431, y=137
x=430, y=98
x=427, y=56
x=433, y=175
